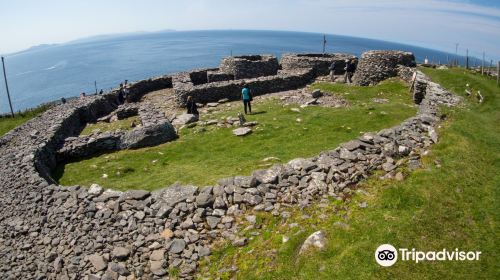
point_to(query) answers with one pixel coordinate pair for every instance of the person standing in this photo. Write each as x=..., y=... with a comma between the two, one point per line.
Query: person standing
x=126, y=93
x=349, y=70
x=332, y=71
x=246, y=96
x=121, y=98
x=192, y=108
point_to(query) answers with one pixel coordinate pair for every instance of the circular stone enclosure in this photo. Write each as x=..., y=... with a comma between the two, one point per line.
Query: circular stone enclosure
x=250, y=66
x=319, y=62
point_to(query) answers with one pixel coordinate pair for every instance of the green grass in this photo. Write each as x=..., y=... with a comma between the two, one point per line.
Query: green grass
x=203, y=158
x=125, y=124
x=451, y=206
x=9, y=123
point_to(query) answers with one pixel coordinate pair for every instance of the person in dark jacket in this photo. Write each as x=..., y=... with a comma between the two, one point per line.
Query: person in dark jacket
x=246, y=96
x=349, y=70
x=192, y=108
x=121, y=97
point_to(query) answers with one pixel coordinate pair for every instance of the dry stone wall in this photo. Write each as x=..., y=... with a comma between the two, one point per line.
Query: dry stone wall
x=260, y=72
x=376, y=66
x=138, y=89
x=54, y=232
x=250, y=66
x=218, y=76
x=319, y=62
x=213, y=92
x=153, y=130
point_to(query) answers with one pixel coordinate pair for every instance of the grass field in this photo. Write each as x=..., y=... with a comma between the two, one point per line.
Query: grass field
x=125, y=124
x=8, y=123
x=203, y=158
x=451, y=202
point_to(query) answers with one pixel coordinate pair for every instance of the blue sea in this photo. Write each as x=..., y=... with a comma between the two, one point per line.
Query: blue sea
x=46, y=73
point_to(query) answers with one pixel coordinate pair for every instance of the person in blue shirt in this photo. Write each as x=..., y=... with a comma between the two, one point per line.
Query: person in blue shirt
x=246, y=96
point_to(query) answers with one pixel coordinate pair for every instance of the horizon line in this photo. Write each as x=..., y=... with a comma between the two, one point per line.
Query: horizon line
x=140, y=32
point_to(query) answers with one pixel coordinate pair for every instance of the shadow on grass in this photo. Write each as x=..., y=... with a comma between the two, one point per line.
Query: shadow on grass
x=258, y=113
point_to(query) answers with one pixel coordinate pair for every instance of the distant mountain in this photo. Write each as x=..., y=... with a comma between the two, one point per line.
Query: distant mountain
x=35, y=48
x=88, y=39
x=113, y=36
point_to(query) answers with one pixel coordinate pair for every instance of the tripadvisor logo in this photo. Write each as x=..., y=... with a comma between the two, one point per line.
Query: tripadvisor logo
x=387, y=255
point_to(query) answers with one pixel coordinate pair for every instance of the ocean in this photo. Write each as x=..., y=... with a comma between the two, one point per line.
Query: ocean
x=46, y=73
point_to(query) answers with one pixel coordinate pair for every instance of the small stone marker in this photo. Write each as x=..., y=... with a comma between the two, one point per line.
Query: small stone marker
x=242, y=131
x=317, y=240
x=241, y=119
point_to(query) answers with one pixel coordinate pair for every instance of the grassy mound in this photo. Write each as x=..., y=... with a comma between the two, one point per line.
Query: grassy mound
x=201, y=158
x=452, y=202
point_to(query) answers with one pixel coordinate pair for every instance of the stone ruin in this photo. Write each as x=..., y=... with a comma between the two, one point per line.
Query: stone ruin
x=376, y=66
x=48, y=231
x=250, y=66
x=260, y=72
x=153, y=129
x=320, y=63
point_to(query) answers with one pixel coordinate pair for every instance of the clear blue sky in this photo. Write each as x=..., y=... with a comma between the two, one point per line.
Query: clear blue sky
x=438, y=24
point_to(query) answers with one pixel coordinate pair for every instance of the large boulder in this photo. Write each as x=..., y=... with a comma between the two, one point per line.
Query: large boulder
x=148, y=136
x=185, y=119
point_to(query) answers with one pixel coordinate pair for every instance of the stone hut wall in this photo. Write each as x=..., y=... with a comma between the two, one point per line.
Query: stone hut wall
x=218, y=76
x=153, y=130
x=406, y=73
x=138, y=89
x=376, y=66
x=213, y=92
x=250, y=66
x=319, y=62
x=200, y=76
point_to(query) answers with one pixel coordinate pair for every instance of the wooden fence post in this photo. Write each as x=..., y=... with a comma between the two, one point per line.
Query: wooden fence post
x=498, y=72
x=7, y=87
